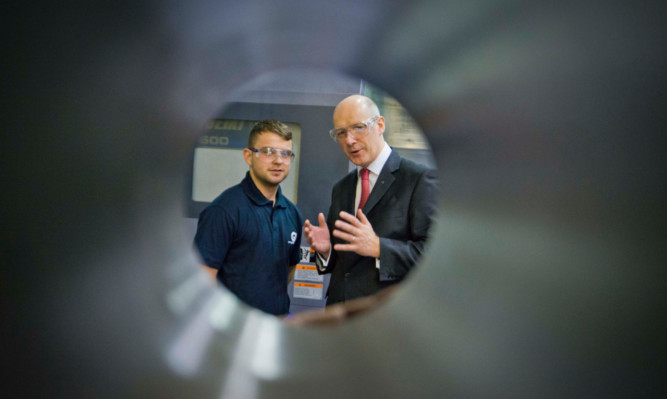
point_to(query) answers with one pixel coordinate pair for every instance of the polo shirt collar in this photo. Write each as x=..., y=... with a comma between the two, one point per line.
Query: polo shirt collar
x=256, y=196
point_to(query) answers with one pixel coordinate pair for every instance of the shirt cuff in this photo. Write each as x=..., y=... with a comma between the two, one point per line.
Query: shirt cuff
x=323, y=263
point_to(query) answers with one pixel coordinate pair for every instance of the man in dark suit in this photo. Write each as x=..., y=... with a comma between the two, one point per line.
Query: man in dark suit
x=380, y=213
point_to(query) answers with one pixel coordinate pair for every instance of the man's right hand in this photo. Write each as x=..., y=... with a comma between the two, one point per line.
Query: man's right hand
x=318, y=236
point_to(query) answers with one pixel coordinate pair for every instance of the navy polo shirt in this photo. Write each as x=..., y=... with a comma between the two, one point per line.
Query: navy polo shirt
x=252, y=244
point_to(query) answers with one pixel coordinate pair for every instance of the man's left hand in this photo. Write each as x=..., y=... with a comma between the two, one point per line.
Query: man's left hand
x=359, y=233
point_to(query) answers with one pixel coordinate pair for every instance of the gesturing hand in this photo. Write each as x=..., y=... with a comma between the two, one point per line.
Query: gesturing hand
x=318, y=236
x=358, y=233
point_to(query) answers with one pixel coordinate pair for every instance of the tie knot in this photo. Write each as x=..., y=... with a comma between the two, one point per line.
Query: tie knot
x=364, y=174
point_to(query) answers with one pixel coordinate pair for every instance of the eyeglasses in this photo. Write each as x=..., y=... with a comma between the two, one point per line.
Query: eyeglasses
x=356, y=129
x=271, y=153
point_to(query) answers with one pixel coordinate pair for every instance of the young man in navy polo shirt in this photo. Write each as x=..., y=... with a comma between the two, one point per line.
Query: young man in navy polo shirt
x=249, y=237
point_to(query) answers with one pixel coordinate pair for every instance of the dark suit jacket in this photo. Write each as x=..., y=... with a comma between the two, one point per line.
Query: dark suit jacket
x=400, y=208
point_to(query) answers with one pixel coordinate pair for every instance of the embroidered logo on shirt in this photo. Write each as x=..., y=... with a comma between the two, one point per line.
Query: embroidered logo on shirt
x=293, y=236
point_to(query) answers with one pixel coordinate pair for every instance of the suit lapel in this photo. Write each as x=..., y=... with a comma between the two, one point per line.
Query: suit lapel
x=348, y=197
x=384, y=181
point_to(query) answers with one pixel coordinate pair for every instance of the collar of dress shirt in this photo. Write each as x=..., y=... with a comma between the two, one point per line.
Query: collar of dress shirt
x=376, y=166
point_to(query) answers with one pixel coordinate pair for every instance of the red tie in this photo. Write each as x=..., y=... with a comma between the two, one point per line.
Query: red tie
x=365, y=187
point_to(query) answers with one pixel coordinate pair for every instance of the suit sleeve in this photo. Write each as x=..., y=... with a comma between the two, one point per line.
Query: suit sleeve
x=397, y=257
x=331, y=218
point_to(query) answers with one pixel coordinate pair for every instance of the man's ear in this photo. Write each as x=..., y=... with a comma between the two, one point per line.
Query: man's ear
x=247, y=155
x=380, y=123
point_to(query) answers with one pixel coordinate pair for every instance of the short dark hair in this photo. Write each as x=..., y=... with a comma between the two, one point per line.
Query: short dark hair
x=271, y=126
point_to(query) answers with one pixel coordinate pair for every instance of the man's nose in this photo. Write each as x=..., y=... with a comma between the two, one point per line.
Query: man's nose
x=349, y=138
